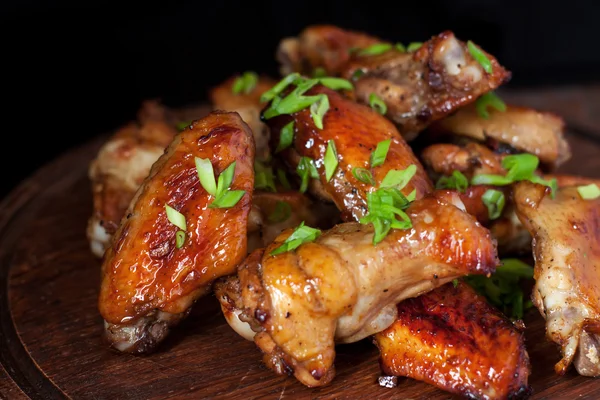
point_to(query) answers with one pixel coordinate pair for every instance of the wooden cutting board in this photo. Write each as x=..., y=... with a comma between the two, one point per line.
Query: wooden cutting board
x=50, y=329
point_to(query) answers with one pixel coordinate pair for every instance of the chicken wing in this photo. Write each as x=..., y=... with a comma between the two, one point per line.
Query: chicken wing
x=566, y=234
x=525, y=129
x=342, y=288
x=356, y=130
x=453, y=339
x=149, y=282
x=248, y=106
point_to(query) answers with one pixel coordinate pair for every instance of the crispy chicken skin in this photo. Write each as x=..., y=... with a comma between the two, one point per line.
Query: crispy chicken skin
x=120, y=167
x=356, y=130
x=320, y=46
x=148, y=283
x=341, y=288
x=525, y=129
x=471, y=159
x=566, y=234
x=248, y=106
x=453, y=339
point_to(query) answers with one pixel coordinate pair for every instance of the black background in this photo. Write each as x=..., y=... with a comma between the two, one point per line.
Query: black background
x=73, y=72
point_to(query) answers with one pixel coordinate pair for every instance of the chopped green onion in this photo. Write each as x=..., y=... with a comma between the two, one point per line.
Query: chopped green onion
x=319, y=72
x=455, y=282
x=331, y=160
x=306, y=169
x=318, y=110
x=336, y=83
x=206, y=175
x=377, y=104
x=286, y=137
x=182, y=125
x=552, y=184
x=175, y=217
x=589, y=192
x=282, y=178
x=375, y=49
x=302, y=234
x=457, y=181
x=357, y=74
x=400, y=47
x=279, y=87
x=363, y=175
x=179, y=239
x=282, y=212
x=480, y=57
x=385, y=206
x=487, y=100
x=378, y=156
x=263, y=177
x=399, y=178
x=227, y=199
x=490, y=179
x=494, y=201
x=245, y=83
x=225, y=179
x=414, y=46
x=503, y=288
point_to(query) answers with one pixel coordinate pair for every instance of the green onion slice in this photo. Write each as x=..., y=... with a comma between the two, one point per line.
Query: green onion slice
x=175, y=217
x=399, y=178
x=589, y=192
x=363, y=175
x=182, y=125
x=377, y=104
x=206, y=175
x=357, y=74
x=456, y=181
x=414, y=46
x=279, y=87
x=286, y=137
x=245, y=83
x=376, y=49
x=378, y=156
x=480, y=57
x=306, y=169
x=331, y=160
x=487, y=100
x=319, y=72
x=225, y=179
x=318, y=110
x=385, y=206
x=227, y=199
x=336, y=83
x=302, y=234
x=282, y=178
x=281, y=213
x=263, y=177
x=400, y=47
x=179, y=239
x=494, y=201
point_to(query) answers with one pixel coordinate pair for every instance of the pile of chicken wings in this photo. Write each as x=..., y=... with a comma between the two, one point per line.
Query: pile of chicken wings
x=356, y=196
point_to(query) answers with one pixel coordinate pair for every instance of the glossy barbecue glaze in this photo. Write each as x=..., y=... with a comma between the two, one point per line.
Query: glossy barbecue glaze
x=143, y=271
x=566, y=234
x=356, y=130
x=341, y=288
x=453, y=339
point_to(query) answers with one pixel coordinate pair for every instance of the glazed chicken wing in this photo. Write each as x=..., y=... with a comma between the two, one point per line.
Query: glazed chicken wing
x=149, y=282
x=342, y=288
x=356, y=130
x=453, y=339
x=566, y=234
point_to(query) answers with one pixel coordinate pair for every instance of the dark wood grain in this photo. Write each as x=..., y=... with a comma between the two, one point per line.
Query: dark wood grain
x=50, y=344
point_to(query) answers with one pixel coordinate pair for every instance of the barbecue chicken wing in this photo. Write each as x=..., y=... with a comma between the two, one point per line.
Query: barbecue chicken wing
x=248, y=106
x=356, y=130
x=148, y=283
x=524, y=129
x=453, y=339
x=566, y=234
x=417, y=87
x=341, y=288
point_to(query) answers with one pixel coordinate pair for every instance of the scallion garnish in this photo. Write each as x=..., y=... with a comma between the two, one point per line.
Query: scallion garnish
x=336, y=83
x=263, y=177
x=357, y=74
x=206, y=175
x=503, y=288
x=286, y=137
x=413, y=46
x=175, y=217
x=456, y=181
x=589, y=192
x=487, y=100
x=302, y=234
x=378, y=156
x=182, y=125
x=227, y=199
x=319, y=72
x=281, y=213
x=494, y=201
x=377, y=104
x=224, y=198
x=480, y=57
x=179, y=239
x=282, y=178
x=318, y=110
x=245, y=83
x=385, y=206
x=400, y=47
x=306, y=169
x=398, y=178
x=376, y=49
x=331, y=160
x=279, y=87
x=363, y=175
x=225, y=179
